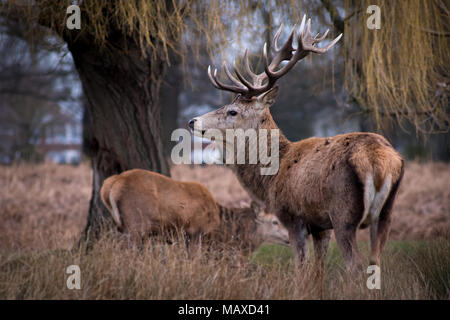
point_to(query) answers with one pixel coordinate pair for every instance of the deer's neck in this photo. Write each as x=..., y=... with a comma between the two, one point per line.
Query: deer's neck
x=237, y=224
x=269, y=124
x=249, y=175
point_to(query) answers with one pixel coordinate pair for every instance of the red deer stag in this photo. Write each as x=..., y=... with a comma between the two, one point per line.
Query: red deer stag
x=343, y=182
x=143, y=202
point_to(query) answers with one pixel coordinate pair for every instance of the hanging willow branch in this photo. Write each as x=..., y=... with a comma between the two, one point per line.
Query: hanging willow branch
x=401, y=71
x=162, y=29
x=398, y=72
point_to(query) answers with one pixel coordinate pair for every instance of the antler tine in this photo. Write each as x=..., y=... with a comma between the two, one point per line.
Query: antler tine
x=247, y=66
x=332, y=43
x=230, y=76
x=266, y=62
x=219, y=85
x=318, y=39
x=274, y=75
x=285, y=53
x=243, y=80
x=306, y=42
x=308, y=28
x=276, y=37
x=302, y=25
x=212, y=79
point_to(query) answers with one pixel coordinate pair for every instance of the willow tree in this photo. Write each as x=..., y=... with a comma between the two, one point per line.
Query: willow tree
x=121, y=53
x=399, y=73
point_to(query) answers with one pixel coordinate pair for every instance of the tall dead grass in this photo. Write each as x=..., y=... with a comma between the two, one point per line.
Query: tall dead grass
x=43, y=207
x=162, y=271
x=422, y=208
x=43, y=210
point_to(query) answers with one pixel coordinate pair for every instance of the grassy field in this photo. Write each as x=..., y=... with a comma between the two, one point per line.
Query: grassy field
x=44, y=208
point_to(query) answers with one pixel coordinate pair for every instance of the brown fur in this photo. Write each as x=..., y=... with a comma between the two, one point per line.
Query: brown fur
x=150, y=203
x=320, y=184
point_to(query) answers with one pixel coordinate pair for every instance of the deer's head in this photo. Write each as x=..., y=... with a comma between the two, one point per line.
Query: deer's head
x=243, y=112
x=254, y=97
x=270, y=229
x=253, y=225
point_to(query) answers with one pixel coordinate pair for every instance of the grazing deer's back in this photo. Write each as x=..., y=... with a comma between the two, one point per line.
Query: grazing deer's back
x=148, y=200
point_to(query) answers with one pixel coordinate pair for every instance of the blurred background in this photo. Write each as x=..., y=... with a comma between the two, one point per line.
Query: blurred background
x=42, y=105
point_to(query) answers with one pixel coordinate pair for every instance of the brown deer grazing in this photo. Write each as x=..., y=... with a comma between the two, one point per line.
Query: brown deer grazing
x=343, y=182
x=143, y=202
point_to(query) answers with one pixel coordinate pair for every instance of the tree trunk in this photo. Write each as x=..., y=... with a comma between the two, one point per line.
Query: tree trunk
x=123, y=111
x=170, y=92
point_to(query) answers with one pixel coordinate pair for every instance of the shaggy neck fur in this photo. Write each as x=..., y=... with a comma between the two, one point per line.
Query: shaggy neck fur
x=249, y=175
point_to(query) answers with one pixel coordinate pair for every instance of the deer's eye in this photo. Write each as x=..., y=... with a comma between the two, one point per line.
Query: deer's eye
x=275, y=222
x=232, y=113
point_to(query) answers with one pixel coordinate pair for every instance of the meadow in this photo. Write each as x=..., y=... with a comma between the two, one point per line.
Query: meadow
x=43, y=209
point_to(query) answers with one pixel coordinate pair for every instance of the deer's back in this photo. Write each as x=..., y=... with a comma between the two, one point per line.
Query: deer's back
x=149, y=202
x=318, y=176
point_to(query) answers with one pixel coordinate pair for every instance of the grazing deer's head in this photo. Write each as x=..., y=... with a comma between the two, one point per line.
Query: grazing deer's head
x=255, y=96
x=254, y=226
x=270, y=229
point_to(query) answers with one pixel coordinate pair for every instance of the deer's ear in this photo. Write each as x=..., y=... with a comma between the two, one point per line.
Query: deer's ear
x=268, y=98
x=256, y=208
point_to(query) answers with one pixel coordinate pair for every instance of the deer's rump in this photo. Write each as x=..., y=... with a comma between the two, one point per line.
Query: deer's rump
x=324, y=177
x=142, y=202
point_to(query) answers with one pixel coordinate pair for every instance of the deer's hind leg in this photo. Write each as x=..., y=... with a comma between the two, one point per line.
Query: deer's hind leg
x=345, y=221
x=379, y=231
x=321, y=240
x=346, y=239
x=346, y=210
x=298, y=237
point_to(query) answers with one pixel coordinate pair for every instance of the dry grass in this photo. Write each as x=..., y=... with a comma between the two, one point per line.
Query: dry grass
x=161, y=271
x=44, y=208
x=422, y=209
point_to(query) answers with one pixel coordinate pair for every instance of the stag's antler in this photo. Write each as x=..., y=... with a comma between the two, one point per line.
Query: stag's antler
x=264, y=81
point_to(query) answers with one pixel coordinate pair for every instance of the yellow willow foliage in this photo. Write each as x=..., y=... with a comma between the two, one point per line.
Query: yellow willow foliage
x=401, y=71
x=398, y=72
x=151, y=23
x=163, y=29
